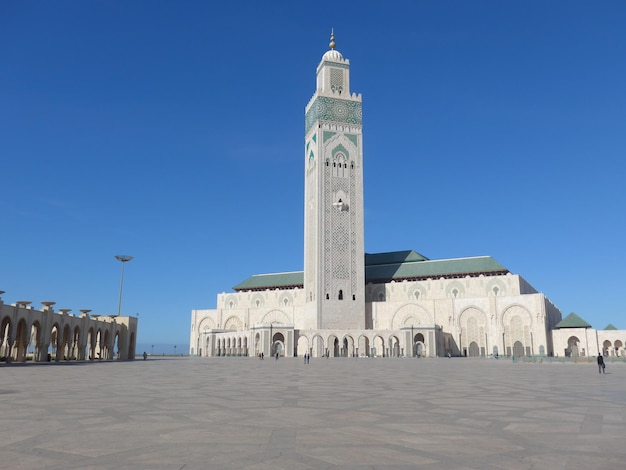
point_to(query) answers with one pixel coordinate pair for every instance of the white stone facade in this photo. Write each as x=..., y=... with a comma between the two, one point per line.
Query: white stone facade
x=585, y=342
x=332, y=308
x=457, y=316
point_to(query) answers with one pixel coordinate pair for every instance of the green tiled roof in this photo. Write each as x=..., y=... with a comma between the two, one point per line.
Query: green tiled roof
x=572, y=321
x=393, y=257
x=385, y=267
x=272, y=281
x=610, y=326
x=458, y=267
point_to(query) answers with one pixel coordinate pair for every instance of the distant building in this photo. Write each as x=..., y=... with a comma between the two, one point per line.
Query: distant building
x=348, y=303
x=574, y=337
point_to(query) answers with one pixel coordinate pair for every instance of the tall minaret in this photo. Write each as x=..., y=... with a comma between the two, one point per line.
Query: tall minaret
x=334, y=272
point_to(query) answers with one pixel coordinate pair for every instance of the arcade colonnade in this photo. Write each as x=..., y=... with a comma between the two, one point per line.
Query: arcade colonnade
x=270, y=339
x=45, y=335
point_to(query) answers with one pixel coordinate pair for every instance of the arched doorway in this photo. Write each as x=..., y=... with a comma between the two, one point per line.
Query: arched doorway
x=54, y=343
x=572, y=347
x=363, y=348
x=317, y=346
x=518, y=349
x=278, y=345
x=116, y=346
x=66, y=345
x=91, y=344
x=5, y=332
x=473, y=351
x=418, y=345
x=98, y=347
x=106, y=347
x=303, y=346
x=35, y=343
x=257, y=344
x=21, y=342
x=75, y=354
x=348, y=346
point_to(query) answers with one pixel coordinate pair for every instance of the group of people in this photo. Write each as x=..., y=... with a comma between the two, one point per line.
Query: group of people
x=307, y=358
x=262, y=355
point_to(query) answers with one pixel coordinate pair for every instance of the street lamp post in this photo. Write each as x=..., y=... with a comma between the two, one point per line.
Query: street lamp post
x=123, y=259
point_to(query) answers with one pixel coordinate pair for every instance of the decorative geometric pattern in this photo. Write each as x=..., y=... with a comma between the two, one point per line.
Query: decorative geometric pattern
x=410, y=315
x=206, y=324
x=336, y=80
x=472, y=331
x=341, y=243
x=327, y=194
x=340, y=149
x=233, y=323
x=276, y=316
x=334, y=110
x=334, y=64
x=353, y=238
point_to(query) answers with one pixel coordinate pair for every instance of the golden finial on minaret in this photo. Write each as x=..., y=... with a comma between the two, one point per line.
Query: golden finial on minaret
x=332, y=39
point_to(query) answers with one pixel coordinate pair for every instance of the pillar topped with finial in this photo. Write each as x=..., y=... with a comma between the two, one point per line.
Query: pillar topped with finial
x=333, y=54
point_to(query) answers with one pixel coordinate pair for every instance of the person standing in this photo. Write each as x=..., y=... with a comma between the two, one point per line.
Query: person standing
x=600, y=364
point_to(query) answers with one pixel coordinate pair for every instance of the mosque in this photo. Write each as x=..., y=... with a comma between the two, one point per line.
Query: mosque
x=348, y=303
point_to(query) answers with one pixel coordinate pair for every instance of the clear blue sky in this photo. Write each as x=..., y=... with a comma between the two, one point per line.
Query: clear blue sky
x=173, y=132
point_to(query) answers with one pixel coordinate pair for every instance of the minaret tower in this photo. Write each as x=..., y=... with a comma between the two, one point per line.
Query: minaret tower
x=334, y=272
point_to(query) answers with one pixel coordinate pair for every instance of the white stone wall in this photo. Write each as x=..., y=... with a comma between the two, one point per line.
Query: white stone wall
x=487, y=311
x=584, y=342
x=474, y=314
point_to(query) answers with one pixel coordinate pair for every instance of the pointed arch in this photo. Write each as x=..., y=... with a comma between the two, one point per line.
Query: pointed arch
x=275, y=316
x=410, y=314
x=207, y=323
x=233, y=323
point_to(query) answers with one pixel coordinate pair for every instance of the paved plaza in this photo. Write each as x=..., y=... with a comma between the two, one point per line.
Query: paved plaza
x=203, y=413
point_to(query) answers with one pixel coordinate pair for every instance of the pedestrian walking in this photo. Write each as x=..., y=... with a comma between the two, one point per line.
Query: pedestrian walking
x=601, y=365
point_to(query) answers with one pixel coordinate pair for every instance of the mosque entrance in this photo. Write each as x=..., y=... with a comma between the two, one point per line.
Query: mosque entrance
x=572, y=347
x=418, y=345
x=278, y=344
x=473, y=349
x=518, y=349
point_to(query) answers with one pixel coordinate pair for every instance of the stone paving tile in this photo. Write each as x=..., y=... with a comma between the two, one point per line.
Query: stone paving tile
x=352, y=414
